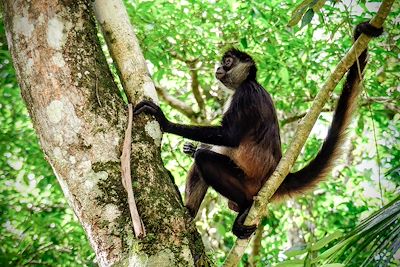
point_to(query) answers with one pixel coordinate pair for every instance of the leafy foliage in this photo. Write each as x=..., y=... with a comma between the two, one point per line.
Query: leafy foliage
x=181, y=42
x=372, y=243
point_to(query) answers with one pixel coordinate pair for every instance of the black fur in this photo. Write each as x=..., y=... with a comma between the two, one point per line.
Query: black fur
x=319, y=167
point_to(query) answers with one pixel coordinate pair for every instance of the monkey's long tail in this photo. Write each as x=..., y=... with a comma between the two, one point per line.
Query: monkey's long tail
x=323, y=163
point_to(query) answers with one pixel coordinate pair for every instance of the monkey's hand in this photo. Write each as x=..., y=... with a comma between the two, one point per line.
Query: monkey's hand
x=149, y=107
x=189, y=148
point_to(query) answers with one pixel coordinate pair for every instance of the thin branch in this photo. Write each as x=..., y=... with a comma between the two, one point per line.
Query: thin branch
x=187, y=61
x=258, y=210
x=177, y=104
x=126, y=53
x=173, y=153
x=254, y=257
x=385, y=101
x=195, y=86
x=300, y=116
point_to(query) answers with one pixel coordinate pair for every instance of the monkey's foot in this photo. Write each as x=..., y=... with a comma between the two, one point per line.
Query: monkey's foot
x=243, y=231
x=239, y=229
x=367, y=29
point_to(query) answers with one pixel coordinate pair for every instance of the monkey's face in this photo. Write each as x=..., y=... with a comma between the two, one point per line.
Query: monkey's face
x=234, y=69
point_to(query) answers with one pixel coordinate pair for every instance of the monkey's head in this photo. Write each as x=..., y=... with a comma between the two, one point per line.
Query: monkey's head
x=236, y=67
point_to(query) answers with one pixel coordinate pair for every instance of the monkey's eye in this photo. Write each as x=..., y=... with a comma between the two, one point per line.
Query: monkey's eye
x=228, y=62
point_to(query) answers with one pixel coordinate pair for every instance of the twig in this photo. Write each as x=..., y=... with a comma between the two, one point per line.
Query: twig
x=300, y=116
x=196, y=86
x=254, y=257
x=385, y=101
x=177, y=104
x=258, y=210
x=137, y=222
x=172, y=150
x=378, y=158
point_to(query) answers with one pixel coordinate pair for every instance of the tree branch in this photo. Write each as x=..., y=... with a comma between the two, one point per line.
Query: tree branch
x=300, y=116
x=258, y=210
x=195, y=86
x=385, y=101
x=125, y=50
x=159, y=204
x=177, y=104
x=254, y=257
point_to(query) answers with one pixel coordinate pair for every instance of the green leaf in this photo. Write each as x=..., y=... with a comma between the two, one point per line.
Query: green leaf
x=291, y=263
x=360, y=124
x=307, y=18
x=326, y=240
x=298, y=12
x=243, y=42
x=336, y=248
x=295, y=251
x=284, y=74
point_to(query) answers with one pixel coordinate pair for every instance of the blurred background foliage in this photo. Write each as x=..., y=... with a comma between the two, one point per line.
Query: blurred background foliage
x=182, y=41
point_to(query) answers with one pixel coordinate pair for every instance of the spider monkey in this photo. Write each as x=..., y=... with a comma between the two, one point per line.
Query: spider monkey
x=245, y=149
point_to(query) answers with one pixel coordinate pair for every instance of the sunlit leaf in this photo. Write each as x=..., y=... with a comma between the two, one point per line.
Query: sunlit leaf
x=298, y=12
x=243, y=42
x=326, y=240
x=307, y=18
x=290, y=263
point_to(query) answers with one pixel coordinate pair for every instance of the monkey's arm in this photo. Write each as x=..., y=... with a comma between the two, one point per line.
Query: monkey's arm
x=215, y=135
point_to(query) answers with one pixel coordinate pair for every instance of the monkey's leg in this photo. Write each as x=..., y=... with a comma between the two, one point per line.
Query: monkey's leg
x=195, y=190
x=221, y=173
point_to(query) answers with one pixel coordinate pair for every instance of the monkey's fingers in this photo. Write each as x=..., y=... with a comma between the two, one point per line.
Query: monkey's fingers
x=139, y=105
x=145, y=109
x=150, y=103
x=145, y=103
x=189, y=148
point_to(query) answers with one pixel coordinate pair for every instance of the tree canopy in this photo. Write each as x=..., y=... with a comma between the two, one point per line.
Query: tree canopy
x=182, y=42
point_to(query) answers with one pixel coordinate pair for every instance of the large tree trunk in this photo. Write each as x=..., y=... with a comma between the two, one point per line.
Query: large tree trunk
x=80, y=118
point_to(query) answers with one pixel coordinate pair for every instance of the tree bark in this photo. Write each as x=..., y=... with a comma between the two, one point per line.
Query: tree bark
x=80, y=118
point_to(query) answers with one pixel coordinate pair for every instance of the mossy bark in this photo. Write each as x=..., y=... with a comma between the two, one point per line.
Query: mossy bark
x=80, y=119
